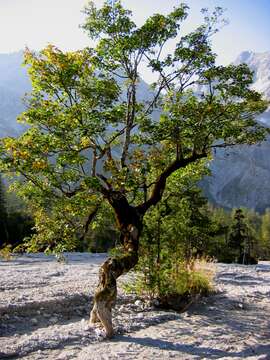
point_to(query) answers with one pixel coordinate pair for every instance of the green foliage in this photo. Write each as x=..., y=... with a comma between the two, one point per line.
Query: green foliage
x=174, y=286
x=15, y=222
x=103, y=234
x=189, y=281
x=88, y=137
x=237, y=232
x=61, y=224
x=218, y=248
x=240, y=238
x=20, y=226
x=264, y=248
x=5, y=252
x=176, y=231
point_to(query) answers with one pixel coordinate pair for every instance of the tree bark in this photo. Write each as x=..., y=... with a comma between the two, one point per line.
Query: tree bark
x=130, y=224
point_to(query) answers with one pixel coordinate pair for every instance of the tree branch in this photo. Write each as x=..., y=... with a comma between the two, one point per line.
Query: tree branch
x=90, y=218
x=160, y=184
x=129, y=121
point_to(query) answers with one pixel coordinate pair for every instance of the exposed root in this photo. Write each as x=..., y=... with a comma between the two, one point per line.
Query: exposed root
x=105, y=316
x=105, y=298
x=94, y=316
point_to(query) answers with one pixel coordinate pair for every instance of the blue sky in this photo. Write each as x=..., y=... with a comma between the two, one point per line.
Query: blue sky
x=35, y=23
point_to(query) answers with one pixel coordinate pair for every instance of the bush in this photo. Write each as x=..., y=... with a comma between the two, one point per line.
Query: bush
x=5, y=252
x=176, y=286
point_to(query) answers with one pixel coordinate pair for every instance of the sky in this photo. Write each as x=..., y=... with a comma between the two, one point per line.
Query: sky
x=36, y=23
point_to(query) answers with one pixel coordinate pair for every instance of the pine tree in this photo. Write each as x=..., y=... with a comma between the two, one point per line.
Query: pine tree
x=240, y=239
x=265, y=235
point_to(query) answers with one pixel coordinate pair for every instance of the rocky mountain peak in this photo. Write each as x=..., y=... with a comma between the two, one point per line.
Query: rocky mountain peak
x=260, y=64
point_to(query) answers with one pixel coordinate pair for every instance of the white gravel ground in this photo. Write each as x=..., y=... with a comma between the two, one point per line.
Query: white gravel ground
x=44, y=307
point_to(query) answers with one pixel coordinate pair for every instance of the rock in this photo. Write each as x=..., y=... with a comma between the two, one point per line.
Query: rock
x=66, y=355
x=34, y=321
x=155, y=302
x=139, y=303
x=186, y=315
x=100, y=332
x=122, y=308
x=60, y=257
x=53, y=320
x=85, y=324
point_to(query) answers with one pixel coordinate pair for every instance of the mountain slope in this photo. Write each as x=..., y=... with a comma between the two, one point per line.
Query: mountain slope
x=240, y=176
x=14, y=83
x=260, y=64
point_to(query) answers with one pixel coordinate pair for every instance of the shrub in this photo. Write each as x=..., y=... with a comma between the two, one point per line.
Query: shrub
x=5, y=252
x=175, y=286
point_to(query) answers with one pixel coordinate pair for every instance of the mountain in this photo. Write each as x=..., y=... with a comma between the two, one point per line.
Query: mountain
x=260, y=64
x=240, y=176
x=14, y=83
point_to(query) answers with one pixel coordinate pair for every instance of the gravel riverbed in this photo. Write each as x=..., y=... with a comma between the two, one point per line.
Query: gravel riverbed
x=44, y=310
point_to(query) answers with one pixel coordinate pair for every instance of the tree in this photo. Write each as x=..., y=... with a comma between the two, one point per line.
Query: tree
x=219, y=245
x=265, y=236
x=241, y=238
x=91, y=137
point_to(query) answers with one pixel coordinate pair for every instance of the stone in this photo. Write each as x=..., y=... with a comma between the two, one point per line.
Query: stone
x=156, y=302
x=34, y=321
x=122, y=308
x=53, y=320
x=139, y=303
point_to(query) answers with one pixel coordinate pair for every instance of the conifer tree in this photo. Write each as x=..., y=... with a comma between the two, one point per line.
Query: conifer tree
x=265, y=236
x=241, y=238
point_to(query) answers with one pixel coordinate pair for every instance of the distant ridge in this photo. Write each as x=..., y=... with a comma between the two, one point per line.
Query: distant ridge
x=241, y=176
x=14, y=83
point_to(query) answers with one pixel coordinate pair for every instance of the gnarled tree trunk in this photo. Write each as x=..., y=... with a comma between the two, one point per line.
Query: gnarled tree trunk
x=130, y=220
x=130, y=224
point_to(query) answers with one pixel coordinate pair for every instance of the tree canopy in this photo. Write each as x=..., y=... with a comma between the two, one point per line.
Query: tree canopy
x=89, y=130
